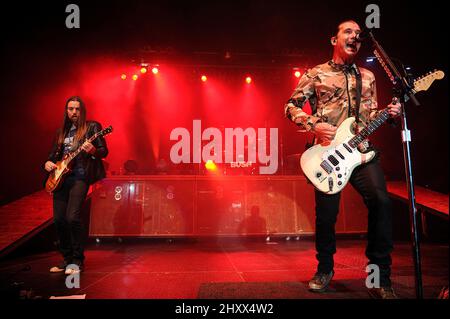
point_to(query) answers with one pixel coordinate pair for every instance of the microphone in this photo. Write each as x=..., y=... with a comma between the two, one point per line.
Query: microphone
x=363, y=35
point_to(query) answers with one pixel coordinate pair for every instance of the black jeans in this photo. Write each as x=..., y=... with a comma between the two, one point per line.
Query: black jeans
x=368, y=180
x=67, y=204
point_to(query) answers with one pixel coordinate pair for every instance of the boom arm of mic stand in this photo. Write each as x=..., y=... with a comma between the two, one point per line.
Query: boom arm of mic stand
x=407, y=90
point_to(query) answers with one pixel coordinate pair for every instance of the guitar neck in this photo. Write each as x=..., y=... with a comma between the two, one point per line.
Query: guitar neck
x=420, y=84
x=369, y=129
x=78, y=150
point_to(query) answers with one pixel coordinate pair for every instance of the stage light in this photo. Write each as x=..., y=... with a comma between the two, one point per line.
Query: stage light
x=143, y=70
x=204, y=78
x=248, y=80
x=155, y=70
x=135, y=77
x=123, y=76
x=370, y=59
x=297, y=74
x=210, y=166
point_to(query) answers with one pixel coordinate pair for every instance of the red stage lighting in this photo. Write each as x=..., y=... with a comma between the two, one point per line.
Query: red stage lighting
x=204, y=78
x=143, y=70
x=123, y=76
x=155, y=70
x=248, y=80
x=135, y=77
x=297, y=74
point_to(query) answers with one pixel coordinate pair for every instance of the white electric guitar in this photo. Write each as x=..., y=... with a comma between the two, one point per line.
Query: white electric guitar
x=329, y=165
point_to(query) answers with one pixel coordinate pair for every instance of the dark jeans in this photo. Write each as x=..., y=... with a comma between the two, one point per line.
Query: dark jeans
x=67, y=203
x=368, y=180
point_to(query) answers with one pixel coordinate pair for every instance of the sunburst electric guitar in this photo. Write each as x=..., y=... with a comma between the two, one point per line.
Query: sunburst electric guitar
x=329, y=165
x=63, y=167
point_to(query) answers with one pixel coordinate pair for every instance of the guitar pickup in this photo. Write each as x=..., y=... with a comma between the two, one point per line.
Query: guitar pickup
x=340, y=154
x=347, y=148
x=333, y=160
x=330, y=183
x=326, y=166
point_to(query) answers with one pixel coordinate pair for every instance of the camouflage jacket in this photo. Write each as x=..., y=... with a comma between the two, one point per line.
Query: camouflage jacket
x=329, y=87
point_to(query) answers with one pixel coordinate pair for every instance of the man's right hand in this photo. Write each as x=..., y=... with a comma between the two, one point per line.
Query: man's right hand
x=324, y=132
x=49, y=166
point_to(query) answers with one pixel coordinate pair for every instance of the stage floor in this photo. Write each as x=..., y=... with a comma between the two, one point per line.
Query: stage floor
x=220, y=268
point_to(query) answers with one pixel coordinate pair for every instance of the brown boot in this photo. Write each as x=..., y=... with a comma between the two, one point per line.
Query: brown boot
x=320, y=281
x=382, y=293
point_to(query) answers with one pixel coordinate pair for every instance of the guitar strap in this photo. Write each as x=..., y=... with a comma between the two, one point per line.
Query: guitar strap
x=353, y=110
x=366, y=145
x=358, y=91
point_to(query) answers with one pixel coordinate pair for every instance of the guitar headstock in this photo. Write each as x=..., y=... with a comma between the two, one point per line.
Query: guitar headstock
x=424, y=82
x=106, y=131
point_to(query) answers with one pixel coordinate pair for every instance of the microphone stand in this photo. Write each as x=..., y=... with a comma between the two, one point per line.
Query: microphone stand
x=406, y=93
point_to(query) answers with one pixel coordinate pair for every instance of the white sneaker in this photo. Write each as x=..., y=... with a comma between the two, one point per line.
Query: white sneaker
x=72, y=269
x=60, y=268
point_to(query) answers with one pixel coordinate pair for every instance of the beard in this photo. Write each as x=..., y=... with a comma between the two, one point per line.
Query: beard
x=74, y=120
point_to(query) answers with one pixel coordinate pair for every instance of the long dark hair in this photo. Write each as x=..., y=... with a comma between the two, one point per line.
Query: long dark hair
x=67, y=123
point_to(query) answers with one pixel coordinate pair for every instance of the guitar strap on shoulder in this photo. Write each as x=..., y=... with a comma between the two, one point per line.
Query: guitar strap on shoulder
x=365, y=145
x=358, y=91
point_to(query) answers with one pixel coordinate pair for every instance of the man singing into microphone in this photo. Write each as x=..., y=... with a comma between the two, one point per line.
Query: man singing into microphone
x=332, y=91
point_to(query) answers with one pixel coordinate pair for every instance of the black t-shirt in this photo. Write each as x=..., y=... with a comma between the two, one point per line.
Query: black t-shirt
x=78, y=171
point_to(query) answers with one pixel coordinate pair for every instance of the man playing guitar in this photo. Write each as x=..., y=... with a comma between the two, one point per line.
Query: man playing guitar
x=69, y=197
x=336, y=90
